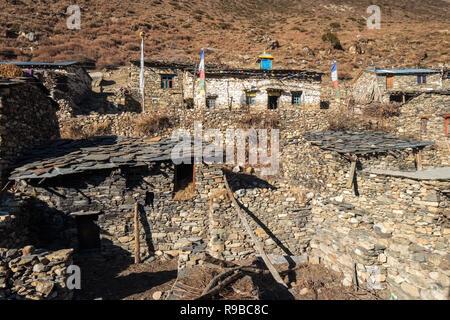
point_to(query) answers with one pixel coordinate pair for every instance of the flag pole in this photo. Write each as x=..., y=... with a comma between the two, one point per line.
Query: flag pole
x=142, y=74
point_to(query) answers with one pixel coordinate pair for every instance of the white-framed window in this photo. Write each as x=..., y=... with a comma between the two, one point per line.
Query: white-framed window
x=211, y=103
x=296, y=98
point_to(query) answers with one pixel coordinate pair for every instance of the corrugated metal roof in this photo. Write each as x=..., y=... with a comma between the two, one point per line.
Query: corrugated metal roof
x=403, y=71
x=40, y=64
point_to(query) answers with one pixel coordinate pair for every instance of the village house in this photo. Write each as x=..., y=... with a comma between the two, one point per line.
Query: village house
x=172, y=84
x=69, y=83
x=398, y=85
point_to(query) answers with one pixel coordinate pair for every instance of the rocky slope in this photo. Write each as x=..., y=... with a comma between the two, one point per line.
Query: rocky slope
x=413, y=33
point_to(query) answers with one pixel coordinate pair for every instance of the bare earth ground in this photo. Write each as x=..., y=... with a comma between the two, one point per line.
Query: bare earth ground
x=123, y=280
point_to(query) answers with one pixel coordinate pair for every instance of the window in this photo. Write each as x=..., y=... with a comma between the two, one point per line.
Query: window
x=421, y=79
x=166, y=81
x=296, y=98
x=211, y=103
x=250, y=98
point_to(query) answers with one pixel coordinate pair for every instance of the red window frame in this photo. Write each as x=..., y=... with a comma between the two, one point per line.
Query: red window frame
x=446, y=122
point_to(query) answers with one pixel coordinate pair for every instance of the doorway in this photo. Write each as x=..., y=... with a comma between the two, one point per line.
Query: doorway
x=88, y=232
x=184, y=182
x=272, y=102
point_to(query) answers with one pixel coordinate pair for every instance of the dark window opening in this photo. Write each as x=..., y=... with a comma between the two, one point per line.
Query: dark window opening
x=184, y=182
x=250, y=99
x=272, y=102
x=88, y=232
x=166, y=81
x=324, y=104
x=211, y=103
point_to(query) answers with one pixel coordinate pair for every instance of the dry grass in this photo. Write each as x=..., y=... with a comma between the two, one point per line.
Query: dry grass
x=152, y=123
x=9, y=71
x=185, y=193
x=75, y=131
x=260, y=120
x=383, y=111
x=344, y=119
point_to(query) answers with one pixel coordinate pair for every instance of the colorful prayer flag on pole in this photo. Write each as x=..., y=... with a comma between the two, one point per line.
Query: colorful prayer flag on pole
x=201, y=71
x=334, y=78
x=141, y=75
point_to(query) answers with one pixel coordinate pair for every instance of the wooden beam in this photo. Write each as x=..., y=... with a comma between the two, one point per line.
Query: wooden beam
x=258, y=245
x=137, y=248
x=352, y=171
x=418, y=159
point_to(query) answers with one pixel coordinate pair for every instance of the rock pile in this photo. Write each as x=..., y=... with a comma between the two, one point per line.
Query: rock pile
x=34, y=274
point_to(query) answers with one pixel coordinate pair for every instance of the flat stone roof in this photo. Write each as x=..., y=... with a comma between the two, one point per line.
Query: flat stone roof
x=361, y=142
x=64, y=157
x=429, y=174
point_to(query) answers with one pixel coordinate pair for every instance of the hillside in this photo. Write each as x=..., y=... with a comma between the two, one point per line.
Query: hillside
x=412, y=32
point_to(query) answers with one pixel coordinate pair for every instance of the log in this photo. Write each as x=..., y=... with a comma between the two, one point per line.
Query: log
x=258, y=245
x=418, y=159
x=352, y=172
x=137, y=249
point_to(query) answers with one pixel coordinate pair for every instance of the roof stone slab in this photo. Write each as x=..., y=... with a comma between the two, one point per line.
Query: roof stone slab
x=64, y=157
x=361, y=142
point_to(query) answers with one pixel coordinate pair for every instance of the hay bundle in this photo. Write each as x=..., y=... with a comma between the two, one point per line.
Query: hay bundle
x=10, y=71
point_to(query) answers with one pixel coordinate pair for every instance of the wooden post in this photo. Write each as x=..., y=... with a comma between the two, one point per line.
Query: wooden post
x=258, y=245
x=352, y=171
x=418, y=159
x=137, y=249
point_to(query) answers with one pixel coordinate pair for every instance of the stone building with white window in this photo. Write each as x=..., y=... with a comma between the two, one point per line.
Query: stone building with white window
x=176, y=85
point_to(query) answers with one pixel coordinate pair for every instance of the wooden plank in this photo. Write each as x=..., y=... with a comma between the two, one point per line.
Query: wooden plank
x=137, y=249
x=418, y=159
x=258, y=245
x=352, y=172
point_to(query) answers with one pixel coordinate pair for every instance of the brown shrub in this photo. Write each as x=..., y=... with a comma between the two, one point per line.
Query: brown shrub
x=383, y=111
x=76, y=131
x=10, y=71
x=261, y=120
x=152, y=123
x=344, y=119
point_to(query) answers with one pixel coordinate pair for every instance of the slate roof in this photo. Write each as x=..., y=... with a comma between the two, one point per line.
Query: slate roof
x=64, y=157
x=362, y=142
x=404, y=71
x=40, y=64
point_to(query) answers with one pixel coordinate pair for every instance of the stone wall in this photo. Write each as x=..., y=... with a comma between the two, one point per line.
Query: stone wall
x=69, y=87
x=155, y=96
x=394, y=231
x=27, y=118
x=166, y=224
x=430, y=108
x=34, y=274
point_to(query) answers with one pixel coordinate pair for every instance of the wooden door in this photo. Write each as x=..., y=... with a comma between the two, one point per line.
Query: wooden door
x=389, y=82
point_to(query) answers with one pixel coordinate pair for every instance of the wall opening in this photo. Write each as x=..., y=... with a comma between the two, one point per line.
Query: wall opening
x=272, y=102
x=184, y=182
x=88, y=231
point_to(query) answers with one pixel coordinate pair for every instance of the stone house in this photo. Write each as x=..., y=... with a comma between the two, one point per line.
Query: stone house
x=85, y=191
x=398, y=85
x=174, y=85
x=28, y=117
x=69, y=83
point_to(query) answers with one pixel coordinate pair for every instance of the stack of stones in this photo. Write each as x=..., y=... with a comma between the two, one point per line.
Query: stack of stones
x=34, y=274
